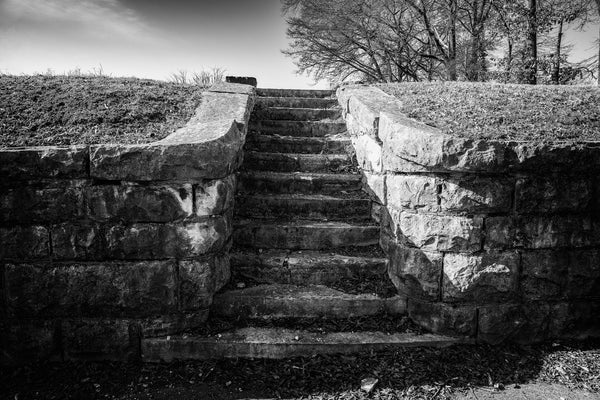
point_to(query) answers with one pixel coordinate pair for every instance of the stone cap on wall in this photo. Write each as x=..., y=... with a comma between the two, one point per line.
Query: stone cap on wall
x=380, y=116
x=209, y=146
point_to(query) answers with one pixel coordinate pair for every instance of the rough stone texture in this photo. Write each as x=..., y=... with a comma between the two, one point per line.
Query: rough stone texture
x=368, y=154
x=48, y=202
x=24, y=243
x=85, y=241
x=375, y=186
x=441, y=233
x=444, y=318
x=560, y=193
x=584, y=274
x=28, y=340
x=214, y=197
x=199, y=280
x=484, y=278
x=414, y=272
x=97, y=339
x=134, y=203
x=43, y=162
x=544, y=274
x=86, y=290
x=476, y=194
x=501, y=322
x=412, y=192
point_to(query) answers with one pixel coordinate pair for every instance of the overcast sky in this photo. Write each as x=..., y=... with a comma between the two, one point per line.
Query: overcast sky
x=153, y=38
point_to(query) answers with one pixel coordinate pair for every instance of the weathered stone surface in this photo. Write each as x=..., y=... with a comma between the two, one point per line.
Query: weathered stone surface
x=551, y=157
x=248, y=87
x=377, y=212
x=368, y=153
x=202, y=151
x=97, y=339
x=216, y=106
x=584, y=274
x=265, y=266
x=82, y=241
x=508, y=322
x=476, y=194
x=414, y=141
x=133, y=203
x=43, y=162
x=574, y=320
x=215, y=197
x=199, y=280
x=441, y=233
x=51, y=202
x=92, y=290
x=483, y=278
x=560, y=193
x=158, y=241
x=26, y=341
x=415, y=273
x=444, y=318
x=538, y=232
x=375, y=186
x=413, y=192
x=24, y=243
x=544, y=274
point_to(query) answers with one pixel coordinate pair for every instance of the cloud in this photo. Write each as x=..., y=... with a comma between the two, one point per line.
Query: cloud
x=97, y=18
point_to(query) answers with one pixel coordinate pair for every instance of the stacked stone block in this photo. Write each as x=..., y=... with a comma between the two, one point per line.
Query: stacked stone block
x=493, y=240
x=103, y=245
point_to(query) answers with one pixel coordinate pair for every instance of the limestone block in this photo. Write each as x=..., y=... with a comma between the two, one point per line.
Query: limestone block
x=199, y=280
x=584, y=274
x=412, y=192
x=513, y=322
x=134, y=203
x=500, y=233
x=559, y=193
x=476, y=194
x=432, y=232
x=368, y=153
x=574, y=320
x=214, y=197
x=390, y=221
x=97, y=339
x=26, y=341
x=78, y=241
x=394, y=164
x=377, y=211
x=544, y=274
x=375, y=186
x=555, y=157
x=482, y=278
x=55, y=201
x=24, y=243
x=159, y=241
x=414, y=272
x=43, y=162
x=444, y=318
x=91, y=290
x=171, y=324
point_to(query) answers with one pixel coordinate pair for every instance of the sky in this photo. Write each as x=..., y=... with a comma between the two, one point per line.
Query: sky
x=154, y=38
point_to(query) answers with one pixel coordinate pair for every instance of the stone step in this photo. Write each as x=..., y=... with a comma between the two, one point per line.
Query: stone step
x=297, y=182
x=278, y=343
x=298, y=128
x=293, y=162
x=296, y=114
x=268, y=92
x=293, y=144
x=303, y=235
x=305, y=267
x=304, y=206
x=313, y=301
x=296, y=102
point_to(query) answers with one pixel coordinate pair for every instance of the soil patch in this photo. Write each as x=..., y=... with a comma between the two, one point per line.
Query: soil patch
x=45, y=110
x=504, y=111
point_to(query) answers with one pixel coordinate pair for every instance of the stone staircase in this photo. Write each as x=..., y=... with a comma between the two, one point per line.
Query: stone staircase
x=305, y=257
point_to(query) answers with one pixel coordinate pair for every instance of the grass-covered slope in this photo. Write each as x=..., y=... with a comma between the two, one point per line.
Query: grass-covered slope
x=504, y=112
x=60, y=110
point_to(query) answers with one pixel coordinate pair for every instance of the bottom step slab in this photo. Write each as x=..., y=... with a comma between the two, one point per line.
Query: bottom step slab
x=277, y=343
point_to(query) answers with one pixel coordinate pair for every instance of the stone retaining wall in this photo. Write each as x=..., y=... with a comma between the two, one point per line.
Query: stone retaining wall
x=101, y=245
x=493, y=240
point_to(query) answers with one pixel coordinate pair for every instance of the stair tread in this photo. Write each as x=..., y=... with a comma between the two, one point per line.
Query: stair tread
x=298, y=293
x=309, y=256
x=308, y=223
x=307, y=176
x=348, y=196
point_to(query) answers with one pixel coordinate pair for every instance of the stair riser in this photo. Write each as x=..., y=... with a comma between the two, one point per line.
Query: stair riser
x=162, y=350
x=251, y=184
x=295, y=102
x=274, y=144
x=259, y=307
x=304, y=237
x=296, y=114
x=269, y=270
x=297, y=163
x=265, y=207
x=294, y=93
x=298, y=128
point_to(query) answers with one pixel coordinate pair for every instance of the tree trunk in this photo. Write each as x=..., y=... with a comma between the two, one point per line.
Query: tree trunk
x=451, y=62
x=531, y=64
x=556, y=69
x=509, y=59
